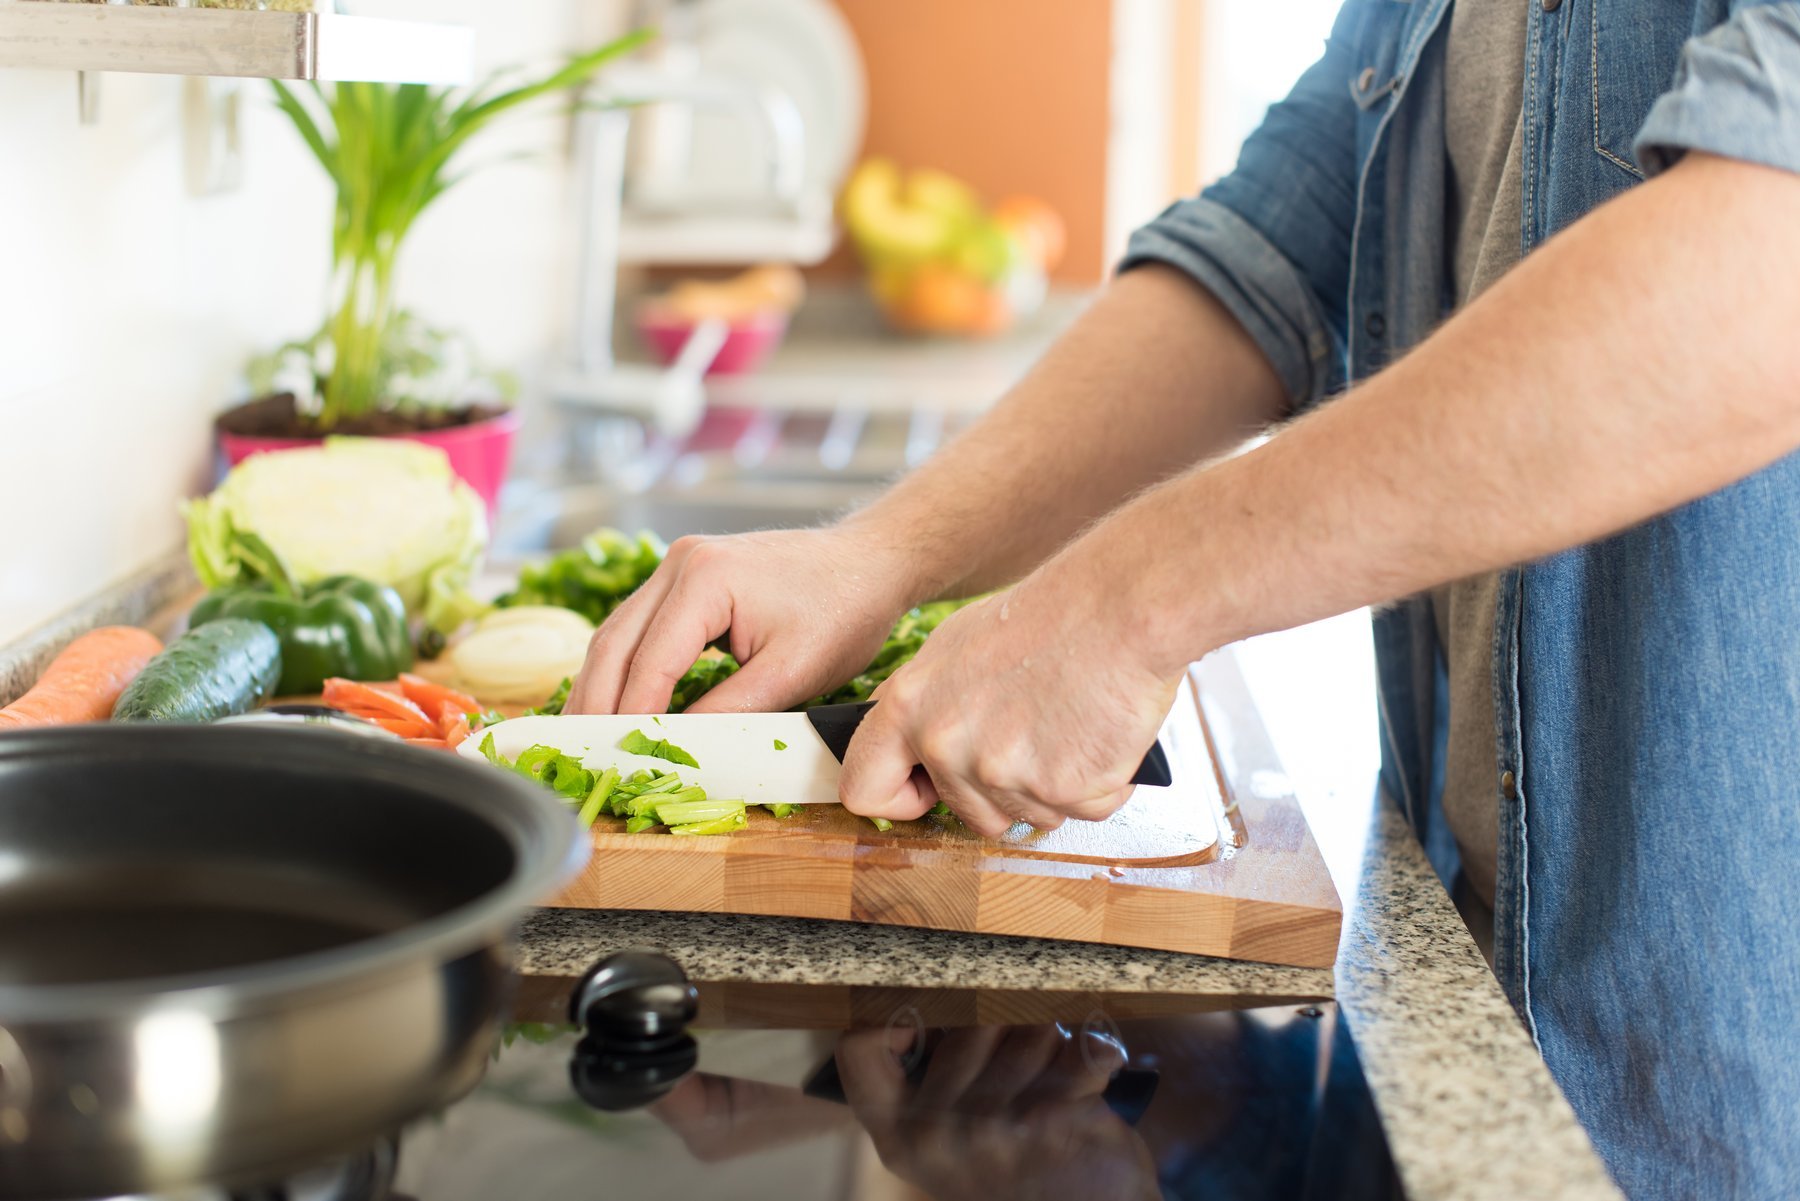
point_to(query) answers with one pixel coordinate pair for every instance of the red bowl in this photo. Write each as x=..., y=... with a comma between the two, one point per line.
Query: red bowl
x=747, y=344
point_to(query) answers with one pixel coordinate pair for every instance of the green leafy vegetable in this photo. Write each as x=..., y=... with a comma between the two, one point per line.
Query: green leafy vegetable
x=704, y=676
x=904, y=641
x=593, y=579
x=554, y=706
x=638, y=743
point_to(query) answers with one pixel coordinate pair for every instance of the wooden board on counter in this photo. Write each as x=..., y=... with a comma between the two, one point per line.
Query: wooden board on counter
x=1226, y=869
x=1222, y=863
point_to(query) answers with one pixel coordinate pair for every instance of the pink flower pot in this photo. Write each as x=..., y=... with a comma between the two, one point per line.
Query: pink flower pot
x=479, y=452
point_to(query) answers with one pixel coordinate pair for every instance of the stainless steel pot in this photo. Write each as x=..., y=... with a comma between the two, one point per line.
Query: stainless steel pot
x=226, y=954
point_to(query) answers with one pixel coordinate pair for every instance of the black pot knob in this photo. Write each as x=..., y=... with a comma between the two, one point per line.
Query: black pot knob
x=636, y=998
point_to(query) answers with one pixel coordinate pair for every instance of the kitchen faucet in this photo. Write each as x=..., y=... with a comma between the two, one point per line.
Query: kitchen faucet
x=672, y=398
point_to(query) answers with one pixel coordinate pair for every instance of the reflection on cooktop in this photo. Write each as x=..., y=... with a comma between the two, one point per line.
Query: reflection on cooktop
x=914, y=1095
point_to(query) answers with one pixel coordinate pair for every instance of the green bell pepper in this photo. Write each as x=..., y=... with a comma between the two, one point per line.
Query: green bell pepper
x=339, y=626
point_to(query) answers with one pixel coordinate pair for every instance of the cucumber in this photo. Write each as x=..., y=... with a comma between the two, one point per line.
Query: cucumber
x=222, y=668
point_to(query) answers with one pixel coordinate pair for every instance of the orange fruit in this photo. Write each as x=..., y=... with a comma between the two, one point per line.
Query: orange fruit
x=1038, y=228
x=938, y=298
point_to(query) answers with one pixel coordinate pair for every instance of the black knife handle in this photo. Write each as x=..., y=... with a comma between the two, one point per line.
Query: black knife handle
x=837, y=723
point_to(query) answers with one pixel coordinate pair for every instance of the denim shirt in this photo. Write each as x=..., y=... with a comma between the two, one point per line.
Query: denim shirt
x=1647, y=687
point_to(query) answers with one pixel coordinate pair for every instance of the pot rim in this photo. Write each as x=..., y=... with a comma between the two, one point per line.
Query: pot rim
x=546, y=841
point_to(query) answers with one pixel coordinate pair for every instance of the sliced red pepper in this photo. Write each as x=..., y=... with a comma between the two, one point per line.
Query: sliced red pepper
x=348, y=694
x=432, y=697
x=453, y=723
x=405, y=727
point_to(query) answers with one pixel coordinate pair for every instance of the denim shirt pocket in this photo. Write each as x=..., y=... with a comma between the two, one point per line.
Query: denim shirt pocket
x=1379, y=42
x=1633, y=49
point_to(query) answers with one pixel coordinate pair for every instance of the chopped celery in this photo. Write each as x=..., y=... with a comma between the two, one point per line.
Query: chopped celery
x=882, y=824
x=723, y=825
x=780, y=745
x=637, y=825
x=684, y=813
x=781, y=809
x=591, y=810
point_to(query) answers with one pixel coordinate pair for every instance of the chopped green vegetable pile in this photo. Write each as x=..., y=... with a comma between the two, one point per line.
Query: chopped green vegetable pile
x=646, y=800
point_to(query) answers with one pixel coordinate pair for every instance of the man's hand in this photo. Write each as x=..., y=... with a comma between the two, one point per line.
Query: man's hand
x=1035, y=705
x=806, y=610
x=1001, y=1113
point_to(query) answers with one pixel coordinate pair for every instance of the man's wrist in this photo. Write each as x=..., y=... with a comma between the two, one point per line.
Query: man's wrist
x=1145, y=590
x=914, y=566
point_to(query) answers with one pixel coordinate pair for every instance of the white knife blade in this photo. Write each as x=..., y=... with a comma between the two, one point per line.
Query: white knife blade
x=760, y=758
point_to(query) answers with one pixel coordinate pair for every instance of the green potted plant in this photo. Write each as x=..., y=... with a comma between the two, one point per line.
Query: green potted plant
x=391, y=150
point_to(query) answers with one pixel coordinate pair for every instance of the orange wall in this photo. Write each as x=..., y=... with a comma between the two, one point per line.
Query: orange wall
x=1010, y=95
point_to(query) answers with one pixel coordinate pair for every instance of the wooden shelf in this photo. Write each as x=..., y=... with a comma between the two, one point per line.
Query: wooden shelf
x=207, y=41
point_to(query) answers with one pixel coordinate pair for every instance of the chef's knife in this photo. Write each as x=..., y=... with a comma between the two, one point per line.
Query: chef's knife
x=763, y=758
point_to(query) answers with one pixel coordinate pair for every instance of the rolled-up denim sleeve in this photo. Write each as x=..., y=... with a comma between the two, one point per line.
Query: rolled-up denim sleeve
x=1736, y=94
x=1272, y=239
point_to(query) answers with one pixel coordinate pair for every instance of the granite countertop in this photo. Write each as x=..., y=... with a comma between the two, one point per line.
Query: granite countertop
x=1469, y=1108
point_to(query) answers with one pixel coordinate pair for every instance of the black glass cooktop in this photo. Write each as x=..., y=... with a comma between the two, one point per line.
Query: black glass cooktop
x=799, y=1094
x=744, y=1092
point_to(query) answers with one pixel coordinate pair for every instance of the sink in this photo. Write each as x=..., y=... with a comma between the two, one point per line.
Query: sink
x=557, y=517
x=742, y=470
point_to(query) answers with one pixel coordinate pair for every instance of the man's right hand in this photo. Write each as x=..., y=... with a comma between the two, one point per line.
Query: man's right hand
x=805, y=611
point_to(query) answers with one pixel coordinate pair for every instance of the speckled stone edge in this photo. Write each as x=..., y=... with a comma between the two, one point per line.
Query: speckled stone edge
x=723, y=947
x=132, y=601
x=1470, y=1109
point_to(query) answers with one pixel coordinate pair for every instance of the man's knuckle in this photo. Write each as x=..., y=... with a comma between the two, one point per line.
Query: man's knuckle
x=935, y=744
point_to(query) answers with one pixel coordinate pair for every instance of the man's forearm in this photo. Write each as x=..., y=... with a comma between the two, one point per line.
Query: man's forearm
x=1642, y=359
x=1156, y=376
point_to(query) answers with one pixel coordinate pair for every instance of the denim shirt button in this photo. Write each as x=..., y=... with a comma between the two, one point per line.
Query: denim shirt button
x=1509, y=785
x=1366, y=80
x=1376, y=326
x=1551, y=6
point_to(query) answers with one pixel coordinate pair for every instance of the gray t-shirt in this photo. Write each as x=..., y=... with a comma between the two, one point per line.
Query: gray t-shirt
x=1484, y=129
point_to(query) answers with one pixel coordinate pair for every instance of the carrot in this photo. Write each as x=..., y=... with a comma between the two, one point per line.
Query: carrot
x=432, y=697
x=436, y=744
x=83, y=683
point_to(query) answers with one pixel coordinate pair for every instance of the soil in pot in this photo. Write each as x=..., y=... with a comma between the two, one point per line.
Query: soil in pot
x=280, y=417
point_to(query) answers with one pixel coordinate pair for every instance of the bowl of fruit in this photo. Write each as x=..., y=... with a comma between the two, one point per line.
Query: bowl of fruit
x=939, y=260
x=753, y=306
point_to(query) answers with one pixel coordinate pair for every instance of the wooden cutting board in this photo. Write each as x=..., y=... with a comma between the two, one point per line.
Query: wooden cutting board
x=1222, y=863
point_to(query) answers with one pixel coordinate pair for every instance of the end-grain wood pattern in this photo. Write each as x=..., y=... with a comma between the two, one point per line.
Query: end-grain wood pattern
x=1210, y=866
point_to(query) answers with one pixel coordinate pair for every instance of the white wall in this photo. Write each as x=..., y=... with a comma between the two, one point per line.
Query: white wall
x=128, y=307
